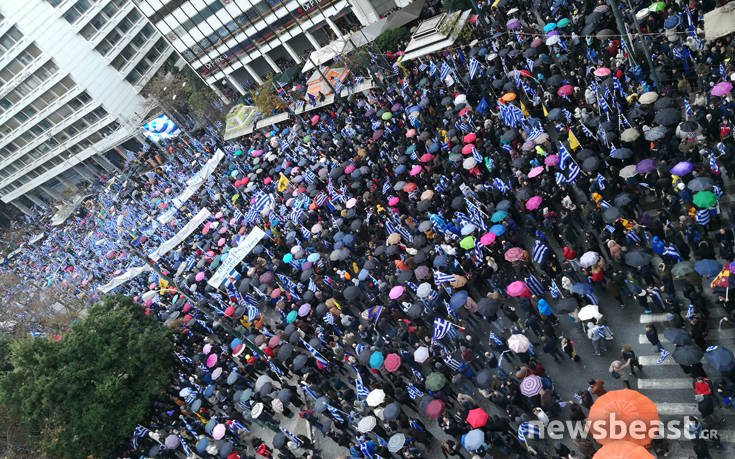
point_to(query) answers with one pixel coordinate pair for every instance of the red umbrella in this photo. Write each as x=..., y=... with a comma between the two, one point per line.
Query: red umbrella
x=467, y=149
x=477, y=418
x=565, y=90
x=434, y=409
x=392, y=362
x=469, y=138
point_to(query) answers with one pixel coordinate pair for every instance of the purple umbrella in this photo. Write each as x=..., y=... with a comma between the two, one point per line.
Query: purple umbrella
x=646, y=166
x=513, y=24
x=722, y=88
x=682, y=168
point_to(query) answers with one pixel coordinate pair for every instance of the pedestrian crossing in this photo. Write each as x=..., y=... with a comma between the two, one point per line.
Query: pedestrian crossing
x=665, y=382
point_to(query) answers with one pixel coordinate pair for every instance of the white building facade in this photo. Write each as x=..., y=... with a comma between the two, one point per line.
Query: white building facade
x=235, y=43
x=71, y=75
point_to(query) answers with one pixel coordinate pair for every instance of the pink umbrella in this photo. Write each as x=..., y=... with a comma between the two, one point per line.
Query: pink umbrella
x=219, y=431
x=533, y=203
x=467, y=149
x=211, y=360
x=535, y=171
x=487, y=238
x=602, y=72
x=274, y=341
x=426, y=157
x=205, y=229
x=256, y=153
x=551, y=160
x=393, y=201
x=514, y=254
x=392, y=362
x=415, y=170
x=200, y=276
x=469, y=138
x=350, y=169
x=229, y=311
x=304, y=309
x=221, y=242
x=411, y=133
x=207, y=348
x=722, y=88
x=396, y=292
x=314, y=119
x=267, y=180
x=565, y=90
x=517, y=288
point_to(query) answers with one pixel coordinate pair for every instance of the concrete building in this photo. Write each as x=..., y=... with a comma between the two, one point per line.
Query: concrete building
x=235, y=43
x=71, y=74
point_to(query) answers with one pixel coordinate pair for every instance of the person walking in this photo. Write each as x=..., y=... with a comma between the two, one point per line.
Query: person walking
x=627, y=353
x=550, y=347
x=652, y=336
x=620, y=370
x=595, y=335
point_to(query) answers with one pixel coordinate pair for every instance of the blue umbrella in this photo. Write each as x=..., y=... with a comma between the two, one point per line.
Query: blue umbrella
x=672, y=22
x=376, y=359
x=707, y=268
x=201, y=446
x=498, y=230
x=440, y=261
x=720, y=358
x=434, y=147
x=473, y=440
x=459, y=298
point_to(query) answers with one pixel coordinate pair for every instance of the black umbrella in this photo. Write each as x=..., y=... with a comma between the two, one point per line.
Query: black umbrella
x=623, y=199
x=299, y=361
x=458, y=203
x=484, y=378
x=700, y=184
x=677, y=336
x=611, y=214
x=415, y=310
x=622, y=153
x=351, y=293
x=687, y=355
x=721, y=359
x=284, y=395
x=554, y=114
x=279, y=440
x=585, y=153
x=663, y=102
x=487, y=307
x=637, y=258
x=392, y=411
x=566, y=305
x=554, y=81
x=667, y=116
x=591, y=164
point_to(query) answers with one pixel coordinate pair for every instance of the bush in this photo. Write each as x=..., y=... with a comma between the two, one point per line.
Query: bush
x=456, y=5
x=391, y=40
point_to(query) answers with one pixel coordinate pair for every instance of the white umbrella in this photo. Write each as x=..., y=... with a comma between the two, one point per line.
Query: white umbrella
x=648, y=98
x=375, y=397
x=629, y=135
x=518, y=343
x=257, y=410
x=591, y=311
x=588, y=259
x=628, y=171
x=366, y=424
x=421, y=354
x=396, y=442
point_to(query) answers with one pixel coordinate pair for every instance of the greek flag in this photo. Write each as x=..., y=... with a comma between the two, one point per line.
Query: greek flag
x=718, y=191
x=530, y=64
x=319, y=358
x=539, y=252
x=184, y=446
x=453, y=364
x=312, y=285
x=554, y=289
x=567, y=114
x=432, y=69
x=500, y=185
x=564, y=156
x=559, y=177
x=632, y=237
x=534, y=134
x=360, y=389
x=528, y=430
x=619, y=88
x=444, y=71
x=275, y=368
x=586, y=130
x=534, y=285
x=721, y=148
x=441, y=328
x=495, y=340
x=184, y=359
x=723, y=72
x=305, y=233
x=321, y=199
x=307, y=390
x=474, y=67
x=139, y=433
x=601, y=134
x=703, y=216
x=689, y=111
x=573, y=172
x=329, y=318
x=335, y=414
x=262, y=201
x=690, y=311
x=713, y=164
x=600, y=181
x=291, y=436
x=289, y=285
x=364, y=447
x=671, y=251
x=386, y=187
x=440, y=277
x=422, y=67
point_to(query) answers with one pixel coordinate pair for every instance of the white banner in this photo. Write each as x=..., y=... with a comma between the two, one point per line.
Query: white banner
x=124, y=277
x=192, y=186
x=179, y=237
x=236, y=255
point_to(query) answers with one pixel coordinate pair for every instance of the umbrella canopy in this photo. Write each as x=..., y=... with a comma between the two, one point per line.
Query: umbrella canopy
x=566, y=305
x=376, y=359
x=517, y=288
x=677, y=336
x=591, y=311
x=396, y=442
x=421, y=354
x=375, y=397
x=682, y=168
x=700, y=184
x=589, y=259
x=531, y=385
x=392, y=411
x=704, y=199
x=518, y=343
x=637, y=258
x=621, y=449
x=434, y=409
x=392, y=362
x=627, y=406
x=435, y=381
x=646, y=166
x=477, y=418
x=473, y=440
x=687, y=355
x=682, y=268
x=720, y=358
x=722, y=88
x=366, y=424
x=707, y=267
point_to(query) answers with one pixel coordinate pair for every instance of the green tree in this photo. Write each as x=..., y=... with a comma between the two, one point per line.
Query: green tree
x=393, y=39
x=84, y=394
x=456, y=5
x=266, y=99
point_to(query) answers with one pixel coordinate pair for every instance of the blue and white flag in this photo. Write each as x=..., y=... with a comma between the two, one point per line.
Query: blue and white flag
x=528, y=430
x=291, y=436
x=689, y=112
x=600, y=181
x=534, y=285
x=573, y=172
x=335, y=414
x=444, y=71
x=432, y=69
x=500, y=185
x=539, y=252
x=474, y=66
x=703, y=216
x=440, y=277
x=319, y=358
x=663, y=356
x=441, y=328
x=671, y=251
x=554, y=289
x=139, y=433
x=564, y=156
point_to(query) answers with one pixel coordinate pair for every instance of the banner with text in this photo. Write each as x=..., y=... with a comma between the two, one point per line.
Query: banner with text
x=235, y=256
x=179, y=237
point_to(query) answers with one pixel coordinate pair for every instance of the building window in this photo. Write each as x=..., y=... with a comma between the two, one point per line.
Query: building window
x=11, y=37
x=77, y=10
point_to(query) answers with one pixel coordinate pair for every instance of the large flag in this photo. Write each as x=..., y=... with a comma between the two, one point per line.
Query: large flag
x=722, y=280
x=573, y=142
x=282, y=183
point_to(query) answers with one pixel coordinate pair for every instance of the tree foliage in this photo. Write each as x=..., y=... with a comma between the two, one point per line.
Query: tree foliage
x=392, y=40
x=456, y=5
x=84, y=394
x=266, y=99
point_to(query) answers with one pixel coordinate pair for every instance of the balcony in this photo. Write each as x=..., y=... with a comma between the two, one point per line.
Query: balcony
x=125, y=39
x=110, y=24
x=13, y=52
x=153, y=69
x=34, y=65
x=31, y=96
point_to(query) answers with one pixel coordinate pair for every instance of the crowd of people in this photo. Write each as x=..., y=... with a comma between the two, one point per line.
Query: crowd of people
x=423, y=240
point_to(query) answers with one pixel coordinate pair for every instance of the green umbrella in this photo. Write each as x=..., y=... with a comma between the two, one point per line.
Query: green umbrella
x=563, y=22
x=682, y=269
x=657, y=6
x=386, y=116
x=215, y=262
x=498, y=216
x=705, y=199
x=307, y=138
x=291, y=317
x=238, y=153
x=467, y=243
x=435, y=381
x=411, y=148
x=423, y=81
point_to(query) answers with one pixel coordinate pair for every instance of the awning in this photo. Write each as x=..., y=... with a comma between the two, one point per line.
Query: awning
x=719, y=22
x=431, y=35
x=317, y=84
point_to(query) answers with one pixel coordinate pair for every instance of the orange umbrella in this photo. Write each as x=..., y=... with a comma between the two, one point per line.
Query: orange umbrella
x=508, y=97
x=621, y=449
x=623, y=406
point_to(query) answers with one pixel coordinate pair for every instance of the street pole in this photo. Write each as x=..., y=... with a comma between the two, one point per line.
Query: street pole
x=624, y=35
